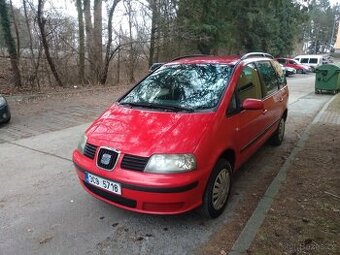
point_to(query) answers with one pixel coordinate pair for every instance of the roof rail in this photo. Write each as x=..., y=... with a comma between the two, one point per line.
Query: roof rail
x=188, y=56
x=256, y=54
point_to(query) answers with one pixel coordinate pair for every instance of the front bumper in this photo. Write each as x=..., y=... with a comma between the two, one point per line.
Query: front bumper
x=4, y=113
x=172, y=195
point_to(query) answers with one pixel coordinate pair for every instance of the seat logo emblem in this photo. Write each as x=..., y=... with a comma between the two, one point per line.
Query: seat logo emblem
x=106, y=158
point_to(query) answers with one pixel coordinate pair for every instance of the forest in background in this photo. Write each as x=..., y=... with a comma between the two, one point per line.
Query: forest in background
x=115, y=41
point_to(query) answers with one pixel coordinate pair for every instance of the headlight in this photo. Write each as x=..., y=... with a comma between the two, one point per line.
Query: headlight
x=171, y=163
x=2, y=101
x=82, y=143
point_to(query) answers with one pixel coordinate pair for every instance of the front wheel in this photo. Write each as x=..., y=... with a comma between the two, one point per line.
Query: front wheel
x=278, y=135
x=218, y=189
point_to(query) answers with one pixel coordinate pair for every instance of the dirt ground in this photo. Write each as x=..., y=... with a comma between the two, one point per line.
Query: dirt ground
x=305, y=216
x=25, y=104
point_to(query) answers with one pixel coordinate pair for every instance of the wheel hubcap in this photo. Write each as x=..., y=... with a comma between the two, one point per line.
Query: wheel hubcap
x=221, y=189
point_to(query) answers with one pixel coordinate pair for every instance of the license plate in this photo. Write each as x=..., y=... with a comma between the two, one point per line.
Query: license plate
x=110, y=186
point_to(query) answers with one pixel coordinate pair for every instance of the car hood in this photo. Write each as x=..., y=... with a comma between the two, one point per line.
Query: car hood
x=145, y=132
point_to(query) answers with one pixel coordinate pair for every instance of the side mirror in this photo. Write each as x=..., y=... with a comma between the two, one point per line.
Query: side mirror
x=252, y=104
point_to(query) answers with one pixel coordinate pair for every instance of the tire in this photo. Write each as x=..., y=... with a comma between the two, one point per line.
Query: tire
x=220, y=185
x=7, y=121
x=278, y=135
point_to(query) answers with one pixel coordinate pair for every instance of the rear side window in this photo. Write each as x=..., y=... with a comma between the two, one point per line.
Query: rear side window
x=313, y=61
x=281, y=76
x=292, y=62
x=269, y=77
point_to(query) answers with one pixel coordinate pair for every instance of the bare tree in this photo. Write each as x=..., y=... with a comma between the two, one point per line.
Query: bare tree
x=35, y=64
x=108, y=53
x=89, y=30
x=129, y=13
x=97, y=37
x=154, y=18
x=41, y=23
x=6, y=27
x=79, y=4
x=15, y=28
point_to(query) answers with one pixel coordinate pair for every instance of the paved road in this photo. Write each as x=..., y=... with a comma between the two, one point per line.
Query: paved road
x=43, y=209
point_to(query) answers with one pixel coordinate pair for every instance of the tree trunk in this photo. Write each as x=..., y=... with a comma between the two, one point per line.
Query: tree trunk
x=97, y=37
x=6, y=28
x=41, y=24
x=154, y=19
x=129, y=10
x=35, y=64
x=108, y=54
x=80, y=11
x=15, y=28
x=89, y=37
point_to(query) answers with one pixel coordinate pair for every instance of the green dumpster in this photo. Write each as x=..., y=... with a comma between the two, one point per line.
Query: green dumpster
x=327, y=79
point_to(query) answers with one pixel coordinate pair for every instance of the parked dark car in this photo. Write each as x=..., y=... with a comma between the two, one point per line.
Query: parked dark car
x=5, y=114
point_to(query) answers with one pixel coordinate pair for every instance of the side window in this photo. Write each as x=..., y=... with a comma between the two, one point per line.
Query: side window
x=313, y=60
x=269, y=78
x=292, y=62
x=249, y=85
x=304, y=60
x=281, y=60
x=281, y=76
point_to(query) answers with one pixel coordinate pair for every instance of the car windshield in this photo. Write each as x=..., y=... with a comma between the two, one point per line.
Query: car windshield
x=181, y=87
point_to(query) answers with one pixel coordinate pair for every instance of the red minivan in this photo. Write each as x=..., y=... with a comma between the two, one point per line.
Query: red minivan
x=172, y=143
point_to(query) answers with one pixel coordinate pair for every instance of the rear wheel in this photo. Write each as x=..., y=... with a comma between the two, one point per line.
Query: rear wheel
x=277, y=137
x=218, y=189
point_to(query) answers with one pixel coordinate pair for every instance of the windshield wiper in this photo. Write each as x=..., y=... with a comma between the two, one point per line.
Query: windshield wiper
x=158, y=106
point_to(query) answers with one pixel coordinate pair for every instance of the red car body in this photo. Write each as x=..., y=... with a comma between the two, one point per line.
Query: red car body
x=138, y=133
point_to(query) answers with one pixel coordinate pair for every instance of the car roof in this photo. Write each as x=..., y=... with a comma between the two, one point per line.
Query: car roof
x=207, y=59
x=310, y=56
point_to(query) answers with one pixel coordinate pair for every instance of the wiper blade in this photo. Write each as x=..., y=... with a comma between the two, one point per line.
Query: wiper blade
x=136, y=104
x=176, y=108
x=158, y=106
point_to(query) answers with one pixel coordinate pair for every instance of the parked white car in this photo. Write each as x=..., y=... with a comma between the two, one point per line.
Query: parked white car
x=312, y=61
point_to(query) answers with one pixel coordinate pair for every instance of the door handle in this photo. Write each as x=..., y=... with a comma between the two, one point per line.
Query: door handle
x=264, y=111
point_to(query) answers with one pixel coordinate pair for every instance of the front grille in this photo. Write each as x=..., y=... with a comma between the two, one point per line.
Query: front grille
x=135, y=163
x=90, y=150
x=107, y=158
x=111, y=197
